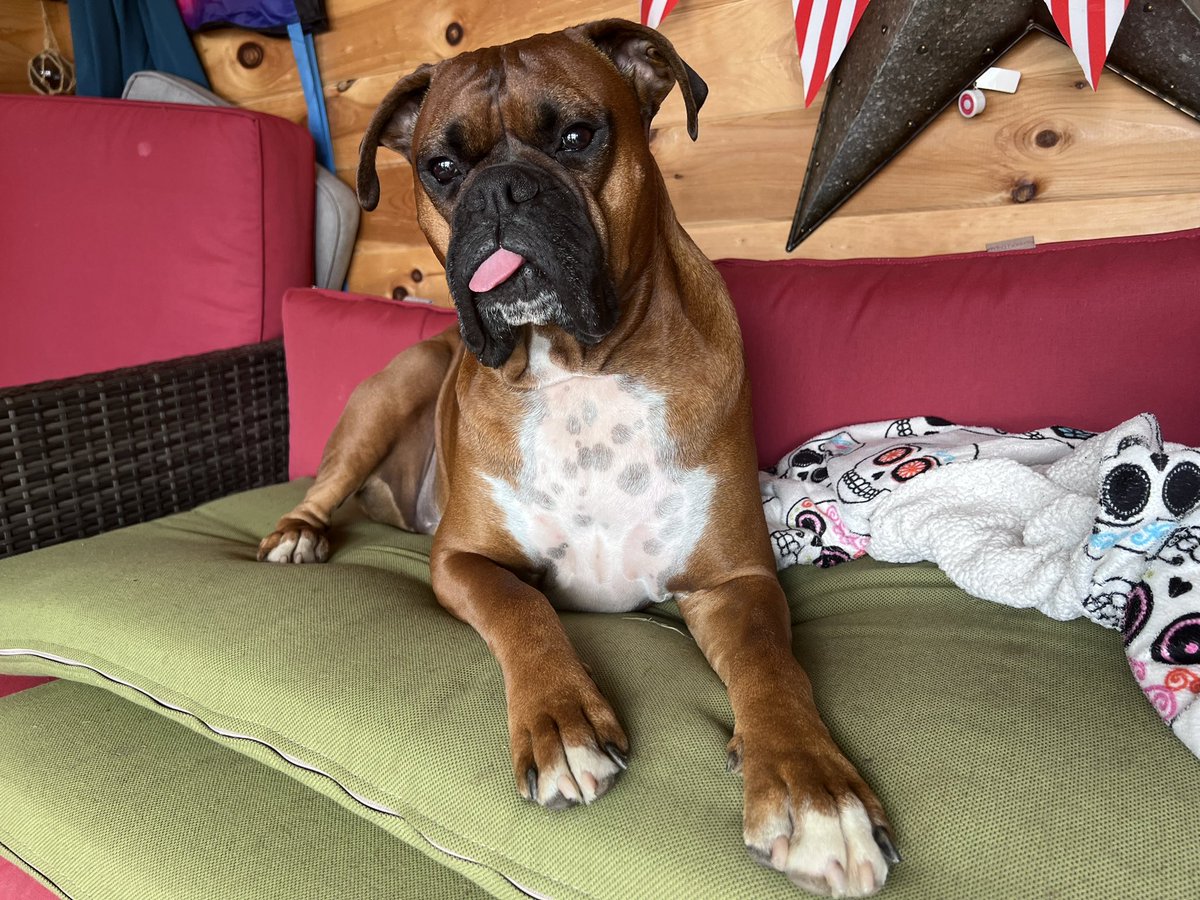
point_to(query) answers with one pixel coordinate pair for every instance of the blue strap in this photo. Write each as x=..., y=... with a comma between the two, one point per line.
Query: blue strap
x=310, y=78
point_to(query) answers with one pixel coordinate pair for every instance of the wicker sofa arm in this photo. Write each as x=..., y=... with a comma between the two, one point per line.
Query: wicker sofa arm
x=87, y=454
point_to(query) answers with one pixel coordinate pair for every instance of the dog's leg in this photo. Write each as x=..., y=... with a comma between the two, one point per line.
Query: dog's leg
x=567, y=745
x=808, y=813
x=385, y=430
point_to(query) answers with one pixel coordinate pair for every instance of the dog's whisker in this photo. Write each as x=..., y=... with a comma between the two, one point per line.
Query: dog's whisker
x=655, y=622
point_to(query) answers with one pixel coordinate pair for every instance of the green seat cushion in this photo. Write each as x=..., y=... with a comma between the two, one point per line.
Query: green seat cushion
x=1015, y=754
x=105, y=799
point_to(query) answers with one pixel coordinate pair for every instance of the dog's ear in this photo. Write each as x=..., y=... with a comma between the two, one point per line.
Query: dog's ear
x=650, y=65
x=392, y=125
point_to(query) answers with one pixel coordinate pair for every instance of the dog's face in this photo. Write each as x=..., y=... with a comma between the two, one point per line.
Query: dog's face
x=532, y=173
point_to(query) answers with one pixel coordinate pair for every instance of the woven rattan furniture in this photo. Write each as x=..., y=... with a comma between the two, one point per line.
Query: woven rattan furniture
x=84, y=455
x=207, y=220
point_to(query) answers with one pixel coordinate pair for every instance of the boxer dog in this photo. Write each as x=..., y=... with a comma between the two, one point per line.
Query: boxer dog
x=583, y=439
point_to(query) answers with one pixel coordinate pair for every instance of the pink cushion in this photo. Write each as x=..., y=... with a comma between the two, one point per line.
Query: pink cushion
x=135, y=232
x=16, y=885
x=332, y=342
x=1086, y=333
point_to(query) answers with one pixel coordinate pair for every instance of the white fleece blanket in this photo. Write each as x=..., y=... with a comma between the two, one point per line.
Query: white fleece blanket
x=1074, y=524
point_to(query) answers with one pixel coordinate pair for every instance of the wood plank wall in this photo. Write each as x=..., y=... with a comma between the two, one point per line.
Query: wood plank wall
x=1113, y=162
x=21, y=37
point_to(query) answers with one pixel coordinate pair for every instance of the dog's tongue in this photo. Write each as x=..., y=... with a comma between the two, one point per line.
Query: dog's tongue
x=494, y=270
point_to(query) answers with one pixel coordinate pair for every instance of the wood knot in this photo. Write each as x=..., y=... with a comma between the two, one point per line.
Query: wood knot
x=454, y=34
x=399, y=292
x=250, y=55
x=1047, y=138
x=1024, y=190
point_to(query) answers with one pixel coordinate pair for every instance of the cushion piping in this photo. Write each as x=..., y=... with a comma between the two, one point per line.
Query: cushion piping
x=283, y=755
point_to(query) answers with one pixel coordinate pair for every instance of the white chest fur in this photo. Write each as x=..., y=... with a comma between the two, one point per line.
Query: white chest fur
x=600, y=504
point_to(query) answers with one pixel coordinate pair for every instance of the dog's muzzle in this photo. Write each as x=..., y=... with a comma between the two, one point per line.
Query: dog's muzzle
x=523, y=251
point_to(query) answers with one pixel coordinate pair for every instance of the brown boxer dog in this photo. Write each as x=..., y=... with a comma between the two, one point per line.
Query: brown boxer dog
x=584, y=440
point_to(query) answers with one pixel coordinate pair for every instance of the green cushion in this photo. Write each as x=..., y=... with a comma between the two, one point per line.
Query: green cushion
x=105, y=799
x=1016, y=755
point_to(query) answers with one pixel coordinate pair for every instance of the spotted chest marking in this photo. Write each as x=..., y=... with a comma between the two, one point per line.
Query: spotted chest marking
x=600, y=505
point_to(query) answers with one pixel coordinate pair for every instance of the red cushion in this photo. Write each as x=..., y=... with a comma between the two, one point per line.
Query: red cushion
x=12, y=684
x=332, y=342
x=1086, y=333
x=135, y=232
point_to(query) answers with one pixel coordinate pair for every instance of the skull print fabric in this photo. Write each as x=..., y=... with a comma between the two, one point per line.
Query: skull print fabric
x=1060, y=519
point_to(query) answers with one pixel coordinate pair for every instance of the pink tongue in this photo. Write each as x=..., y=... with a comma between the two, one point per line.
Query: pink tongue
x=494, y=270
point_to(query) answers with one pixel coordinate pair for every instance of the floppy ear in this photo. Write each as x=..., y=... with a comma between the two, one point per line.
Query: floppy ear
x=650, y=65
x=392, y=125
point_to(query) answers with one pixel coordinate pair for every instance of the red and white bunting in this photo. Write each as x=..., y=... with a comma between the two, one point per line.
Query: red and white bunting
x=1088, y=27
x=654, y=11
x=823, y=28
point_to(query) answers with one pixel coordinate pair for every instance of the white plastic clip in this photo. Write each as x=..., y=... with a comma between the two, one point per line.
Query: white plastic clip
x=972, y=102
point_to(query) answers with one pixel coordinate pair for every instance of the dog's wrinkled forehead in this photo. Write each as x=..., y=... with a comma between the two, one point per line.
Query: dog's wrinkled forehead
x=524, y=92
x=486, y=97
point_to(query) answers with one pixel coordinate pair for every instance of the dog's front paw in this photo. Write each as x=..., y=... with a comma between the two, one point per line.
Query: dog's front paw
x=294, y=541
x=567, y=744
x=811, y=816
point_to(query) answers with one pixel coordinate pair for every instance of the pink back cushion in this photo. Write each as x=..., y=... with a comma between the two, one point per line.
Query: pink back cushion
x=333, y=341
x=1084, y=334
x=133, y=232
x=16, y=885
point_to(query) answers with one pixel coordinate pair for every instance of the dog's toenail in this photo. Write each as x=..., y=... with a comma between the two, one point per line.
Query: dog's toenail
x=567, y=788
x=835, y=875
x=779, y=852
x=884, y=839
x=617, y=756
x=865, y=877
x=588, y=782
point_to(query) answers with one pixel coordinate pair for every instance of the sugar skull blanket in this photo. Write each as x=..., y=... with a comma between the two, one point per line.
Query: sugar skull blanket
x=1069, y=522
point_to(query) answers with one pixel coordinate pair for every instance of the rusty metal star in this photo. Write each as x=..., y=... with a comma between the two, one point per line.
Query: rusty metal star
x=910, y=59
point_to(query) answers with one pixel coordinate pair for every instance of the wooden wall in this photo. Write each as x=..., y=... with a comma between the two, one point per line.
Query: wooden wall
x=21, y=37
x=1123, y=162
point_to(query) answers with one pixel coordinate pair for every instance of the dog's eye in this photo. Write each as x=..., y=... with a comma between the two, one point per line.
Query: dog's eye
x=443, y=170
x=576, y=138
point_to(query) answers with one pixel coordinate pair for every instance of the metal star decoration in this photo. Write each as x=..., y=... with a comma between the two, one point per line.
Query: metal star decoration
x=910, y=59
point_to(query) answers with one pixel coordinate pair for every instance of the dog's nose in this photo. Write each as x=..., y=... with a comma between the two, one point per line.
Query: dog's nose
x=500, y=188
x=522, y=188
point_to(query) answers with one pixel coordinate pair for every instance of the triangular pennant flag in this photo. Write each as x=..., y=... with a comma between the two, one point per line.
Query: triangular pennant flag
x=823, y=28
x=1088, y=27
x=654, y=11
